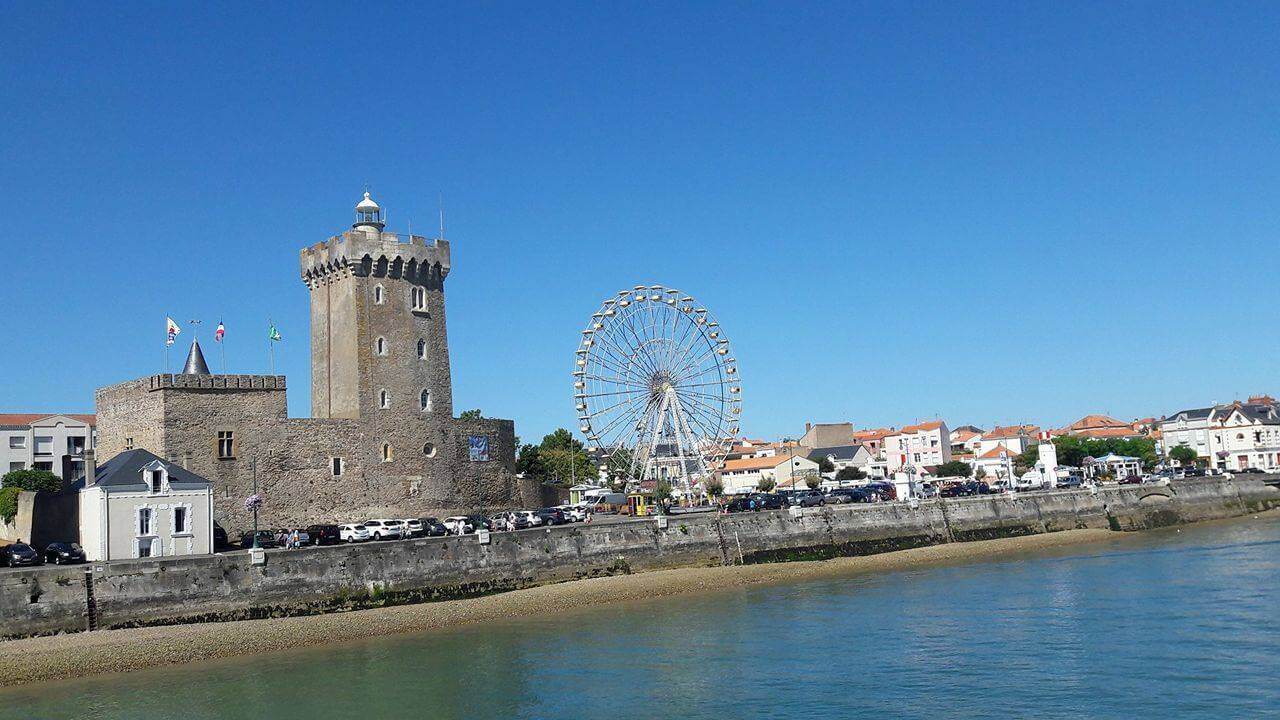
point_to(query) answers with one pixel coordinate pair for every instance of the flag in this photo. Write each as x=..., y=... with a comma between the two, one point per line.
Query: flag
x=171, y=329
x=222, y=330
x=273, y=333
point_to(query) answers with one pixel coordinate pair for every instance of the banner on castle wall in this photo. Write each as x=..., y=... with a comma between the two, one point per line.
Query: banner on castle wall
x=478, y=448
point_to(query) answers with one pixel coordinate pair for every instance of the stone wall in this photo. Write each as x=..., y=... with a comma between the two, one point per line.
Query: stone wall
x=227, y=586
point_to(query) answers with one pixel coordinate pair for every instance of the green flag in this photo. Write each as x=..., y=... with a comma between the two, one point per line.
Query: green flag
x=273, y=333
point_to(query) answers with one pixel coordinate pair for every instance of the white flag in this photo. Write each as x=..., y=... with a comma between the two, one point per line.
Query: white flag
x=171, y=330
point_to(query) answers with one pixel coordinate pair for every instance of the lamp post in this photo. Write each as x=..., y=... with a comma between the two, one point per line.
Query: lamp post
x=253, y=465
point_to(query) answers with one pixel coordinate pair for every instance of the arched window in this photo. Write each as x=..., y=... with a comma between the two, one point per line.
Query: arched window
x=418, y=297
x=425, y=400
x=422, y=349
x=380, y=346
x=377, y=294
x=384, y=399
x=386, y=452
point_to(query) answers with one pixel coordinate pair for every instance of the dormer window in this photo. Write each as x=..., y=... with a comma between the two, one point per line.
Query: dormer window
x=156, y=478
x=157, y=481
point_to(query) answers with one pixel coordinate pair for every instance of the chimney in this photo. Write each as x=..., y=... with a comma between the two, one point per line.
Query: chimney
x=90, y=467
x=808, y=427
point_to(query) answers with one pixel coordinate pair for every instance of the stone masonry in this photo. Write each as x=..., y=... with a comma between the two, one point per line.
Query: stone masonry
x=382, y=441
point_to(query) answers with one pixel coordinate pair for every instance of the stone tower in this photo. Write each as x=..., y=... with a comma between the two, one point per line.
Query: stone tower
x=379, y=350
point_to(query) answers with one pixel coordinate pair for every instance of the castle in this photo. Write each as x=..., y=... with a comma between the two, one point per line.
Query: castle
x=382, y=440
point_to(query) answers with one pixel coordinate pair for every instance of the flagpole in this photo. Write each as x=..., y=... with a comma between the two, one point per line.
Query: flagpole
x=271, y=347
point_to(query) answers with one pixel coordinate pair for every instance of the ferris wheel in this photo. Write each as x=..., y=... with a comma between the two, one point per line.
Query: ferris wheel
x=656, y=387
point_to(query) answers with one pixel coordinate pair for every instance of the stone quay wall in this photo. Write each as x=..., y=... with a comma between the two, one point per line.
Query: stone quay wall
x=227, y=586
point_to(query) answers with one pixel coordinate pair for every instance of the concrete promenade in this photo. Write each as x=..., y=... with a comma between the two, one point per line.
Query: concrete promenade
x=324, y=579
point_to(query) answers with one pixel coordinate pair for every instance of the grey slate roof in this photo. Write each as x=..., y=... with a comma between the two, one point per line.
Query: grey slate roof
x=195, y=361
x=1193, y=414
x=839, y=452
x=124, y=472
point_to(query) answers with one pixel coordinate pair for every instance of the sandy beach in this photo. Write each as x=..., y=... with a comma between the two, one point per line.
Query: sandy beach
x=80, y=654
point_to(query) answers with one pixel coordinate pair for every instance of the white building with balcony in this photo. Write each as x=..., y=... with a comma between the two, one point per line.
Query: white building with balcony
x=35, y=441
x=920, y=446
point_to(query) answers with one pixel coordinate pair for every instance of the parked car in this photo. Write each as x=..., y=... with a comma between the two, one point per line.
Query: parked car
x=266, y=539
x=354, y=533
x=19, y=554
x=458, y=525
x=529, y=519
x=740, y=503
x=1134, y=479
x=575, y=513
x=849, y=495
x=432, y=527
x=881, y=490
x=965, y=488
x=324, y=534
x=413, y=528
x=551, y=516
x=770, y=501
x=384, y=529
x=285, y=536
x=220, y=541
x=1250, y=470
x=480, y=522
x=62, y=553
x=1070, y=482
x=808, y=498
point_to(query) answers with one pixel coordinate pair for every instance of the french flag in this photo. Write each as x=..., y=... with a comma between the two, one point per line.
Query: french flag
x=222, y=330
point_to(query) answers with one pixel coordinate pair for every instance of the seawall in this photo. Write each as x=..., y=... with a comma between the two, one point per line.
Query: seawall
x=293, y=582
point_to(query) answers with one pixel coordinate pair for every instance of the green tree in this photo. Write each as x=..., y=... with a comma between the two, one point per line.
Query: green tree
x=766, y=484
x=980, y=473
x=825, y=465
x=848, y=474
x=529, y=462
x=565, y=460
x=470, y=415
x=9, y=503
x=812, y=480
x=954, y=468
x=662, y=492
x=714, y=486
x=1184, y=454
x=33, y=480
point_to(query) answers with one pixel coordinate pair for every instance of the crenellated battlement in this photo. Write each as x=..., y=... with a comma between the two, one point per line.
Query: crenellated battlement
x=235, y=383
x=363, y=253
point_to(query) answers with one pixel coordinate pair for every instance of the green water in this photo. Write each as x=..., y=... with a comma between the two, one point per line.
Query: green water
x=1170, y=624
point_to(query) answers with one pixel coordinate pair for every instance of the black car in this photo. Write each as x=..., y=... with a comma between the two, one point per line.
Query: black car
x=220, y=541
x=266, y=539
x=60, y=553
x=480, y=522
x=432, y=527
x=324, y=534
x=740, y=504
x=551, y=516
x=849, y=495
x=808, y=498
x=882, y=490
x=770, y=501
x=19, y=554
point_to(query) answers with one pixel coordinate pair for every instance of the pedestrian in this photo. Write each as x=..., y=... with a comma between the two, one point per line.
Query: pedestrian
x=295, y=542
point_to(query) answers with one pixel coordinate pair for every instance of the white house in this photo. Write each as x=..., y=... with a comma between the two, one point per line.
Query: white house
x=35, y=441
x=1246, y=436
x=139, y=506
x=1229, y=437
x=844, y=456
x=1014, y=438
x=744, y=474
x=919, y=446
x=997, y=464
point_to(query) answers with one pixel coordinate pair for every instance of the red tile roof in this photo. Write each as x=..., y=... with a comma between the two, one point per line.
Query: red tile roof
x=922, y=427
x=1010, y=431
x=995, y=452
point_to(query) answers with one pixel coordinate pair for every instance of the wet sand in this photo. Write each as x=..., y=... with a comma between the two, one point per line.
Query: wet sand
x=107, y=651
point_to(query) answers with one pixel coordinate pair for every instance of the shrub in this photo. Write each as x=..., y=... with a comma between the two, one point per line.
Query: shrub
x=850, y=473
x=714, y=486
x=9, y=503
x=33, y=480
x=954, y=468
x=766, y=484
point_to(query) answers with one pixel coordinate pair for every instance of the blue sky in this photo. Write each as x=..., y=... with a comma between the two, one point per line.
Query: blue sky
x=988, y=212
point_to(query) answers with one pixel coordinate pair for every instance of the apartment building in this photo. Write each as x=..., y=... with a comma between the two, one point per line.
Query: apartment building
x=36, y=441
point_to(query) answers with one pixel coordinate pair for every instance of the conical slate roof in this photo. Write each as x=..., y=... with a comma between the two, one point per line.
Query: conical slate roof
x=195, y=361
